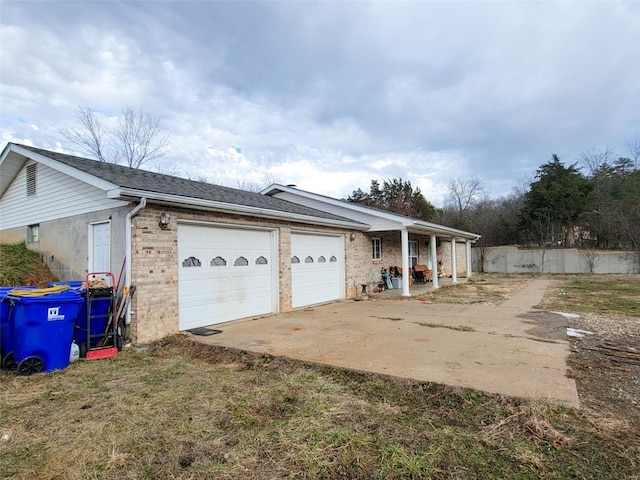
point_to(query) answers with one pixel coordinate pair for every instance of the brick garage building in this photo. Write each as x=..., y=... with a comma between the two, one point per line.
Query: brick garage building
x=201, y=254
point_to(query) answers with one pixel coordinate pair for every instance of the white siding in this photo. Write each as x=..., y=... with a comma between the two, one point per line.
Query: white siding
x=58, y=196
x=376, y=223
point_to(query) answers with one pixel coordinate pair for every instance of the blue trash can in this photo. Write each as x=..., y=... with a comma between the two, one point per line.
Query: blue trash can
x=68, y=283
x=99, y=315
x=6, y=327
x=43, y=330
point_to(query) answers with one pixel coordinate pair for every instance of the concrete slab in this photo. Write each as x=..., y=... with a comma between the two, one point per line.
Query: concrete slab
x=510, y=349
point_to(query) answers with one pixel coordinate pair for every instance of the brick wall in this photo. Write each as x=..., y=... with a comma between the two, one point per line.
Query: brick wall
x=444, y=255
x=155, y=265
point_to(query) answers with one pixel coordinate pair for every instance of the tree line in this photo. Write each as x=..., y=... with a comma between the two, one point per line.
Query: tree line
x=561, y=207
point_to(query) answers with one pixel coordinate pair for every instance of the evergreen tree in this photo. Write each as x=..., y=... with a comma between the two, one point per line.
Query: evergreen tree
x=397, y=196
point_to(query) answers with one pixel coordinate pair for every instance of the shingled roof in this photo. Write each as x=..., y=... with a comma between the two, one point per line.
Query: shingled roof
x=146, y=181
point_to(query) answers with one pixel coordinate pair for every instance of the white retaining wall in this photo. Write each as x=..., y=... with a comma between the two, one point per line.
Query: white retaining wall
x=510, y=259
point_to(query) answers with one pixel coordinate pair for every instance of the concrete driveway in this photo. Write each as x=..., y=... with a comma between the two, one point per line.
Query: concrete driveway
x=510, y=349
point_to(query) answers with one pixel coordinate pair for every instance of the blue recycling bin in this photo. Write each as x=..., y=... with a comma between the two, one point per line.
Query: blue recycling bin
x=6, y=327
x=43, y=330
x=99, y=315
x=68, y=283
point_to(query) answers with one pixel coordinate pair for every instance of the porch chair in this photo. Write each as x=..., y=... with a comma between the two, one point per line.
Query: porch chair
x=421, y=274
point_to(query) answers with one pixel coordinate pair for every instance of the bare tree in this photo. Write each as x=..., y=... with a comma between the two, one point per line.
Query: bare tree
x=267, y=179
x=595, y=159
x=465, y=192
x=136, y=140
x=464, y=197
x=634, y=150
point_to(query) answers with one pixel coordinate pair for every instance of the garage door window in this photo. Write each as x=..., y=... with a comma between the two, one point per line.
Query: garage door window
x=191, y=262
x=218, y=262
x=261, y=261
x=241, y=262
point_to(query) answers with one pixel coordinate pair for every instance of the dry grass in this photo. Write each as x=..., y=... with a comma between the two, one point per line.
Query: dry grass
x=21, y=266
x=491, y=289
x=187, y=410
x=611, y=295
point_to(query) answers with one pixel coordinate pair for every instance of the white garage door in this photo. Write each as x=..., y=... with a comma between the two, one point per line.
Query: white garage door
x=317, y=269
x=224, y=274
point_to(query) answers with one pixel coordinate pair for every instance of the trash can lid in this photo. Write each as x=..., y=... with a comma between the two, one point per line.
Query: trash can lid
x=67, y=296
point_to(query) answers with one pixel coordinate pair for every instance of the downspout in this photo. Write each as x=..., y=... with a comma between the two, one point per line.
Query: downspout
x=128, y=226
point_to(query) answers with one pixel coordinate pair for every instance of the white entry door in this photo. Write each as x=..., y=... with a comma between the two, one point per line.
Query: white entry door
x=100, y=247
x=317, y=269
x=224, y=274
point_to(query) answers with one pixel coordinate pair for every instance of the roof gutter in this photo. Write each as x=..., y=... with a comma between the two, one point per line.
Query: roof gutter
x=128, y=232
x=212, y=205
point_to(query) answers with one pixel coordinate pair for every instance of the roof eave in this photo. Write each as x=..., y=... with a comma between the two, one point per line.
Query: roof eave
x=403, y=221
x=447, y=231
x=275, y=188
x=210, y=205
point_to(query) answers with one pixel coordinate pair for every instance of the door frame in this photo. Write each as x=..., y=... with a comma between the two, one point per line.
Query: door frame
x=90, y=256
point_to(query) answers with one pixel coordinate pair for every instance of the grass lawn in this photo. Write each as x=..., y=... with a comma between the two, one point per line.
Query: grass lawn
x=184, y=410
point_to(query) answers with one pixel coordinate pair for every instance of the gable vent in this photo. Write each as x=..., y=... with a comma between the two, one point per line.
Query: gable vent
x=31, y=179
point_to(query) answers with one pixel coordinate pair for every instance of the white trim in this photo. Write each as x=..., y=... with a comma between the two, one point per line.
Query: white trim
x=238, y=226
x=64, y=168
x=91, y=259
x=414, y=225
x=379, y=239
x=404, y=240
x=406, y=221
x=434, y=261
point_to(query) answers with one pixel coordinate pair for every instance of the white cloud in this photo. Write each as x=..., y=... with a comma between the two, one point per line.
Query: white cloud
x=332, y=95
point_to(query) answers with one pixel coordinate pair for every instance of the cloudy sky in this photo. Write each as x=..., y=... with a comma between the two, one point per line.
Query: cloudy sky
x=330, y=95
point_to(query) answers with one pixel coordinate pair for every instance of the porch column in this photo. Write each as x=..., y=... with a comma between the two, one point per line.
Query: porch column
x=468, y=244
x=434, y=261
x=454, y=265
x=404, y=236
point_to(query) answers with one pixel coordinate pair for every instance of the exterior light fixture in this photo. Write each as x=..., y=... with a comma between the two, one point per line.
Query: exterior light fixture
x=165, y=220
x=352, y=237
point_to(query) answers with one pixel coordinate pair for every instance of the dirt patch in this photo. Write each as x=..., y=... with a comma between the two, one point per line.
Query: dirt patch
x=486, y=289
x=606, y=365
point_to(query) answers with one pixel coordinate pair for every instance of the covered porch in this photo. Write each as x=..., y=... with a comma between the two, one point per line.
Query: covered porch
x=415, y=290
x=444, y=253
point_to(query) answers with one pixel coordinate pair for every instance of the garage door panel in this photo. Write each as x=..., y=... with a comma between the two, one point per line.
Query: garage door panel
x=224, y=274
x=317, y=269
